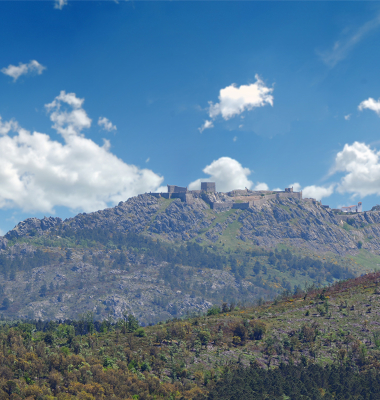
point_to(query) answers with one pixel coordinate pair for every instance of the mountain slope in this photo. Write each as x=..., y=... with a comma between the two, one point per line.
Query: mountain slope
x=159, y=258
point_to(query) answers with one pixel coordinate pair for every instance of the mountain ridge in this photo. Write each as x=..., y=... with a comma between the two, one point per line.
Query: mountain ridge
x=159, y=258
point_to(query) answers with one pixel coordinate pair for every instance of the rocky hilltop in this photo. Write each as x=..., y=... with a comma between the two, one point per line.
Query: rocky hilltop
x=292, y=222
x=158, y=258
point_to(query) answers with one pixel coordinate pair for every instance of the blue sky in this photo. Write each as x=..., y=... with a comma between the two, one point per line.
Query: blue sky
x=100, y=101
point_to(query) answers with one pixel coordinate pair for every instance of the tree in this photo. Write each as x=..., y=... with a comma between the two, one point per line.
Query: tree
x=131, y=322
x=204, y=337
x=6, y=303
x=69, y=254
x=43, y=290
x=257, y=268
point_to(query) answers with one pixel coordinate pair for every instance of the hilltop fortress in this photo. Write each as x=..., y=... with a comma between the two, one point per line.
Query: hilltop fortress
x=236, y=199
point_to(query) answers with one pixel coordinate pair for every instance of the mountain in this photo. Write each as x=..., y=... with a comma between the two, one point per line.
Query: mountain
x=158, y=258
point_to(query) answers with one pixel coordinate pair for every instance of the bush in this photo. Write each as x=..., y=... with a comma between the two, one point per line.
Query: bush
x=204, y=337
x=241, y=331
x=236, y=340
x=140, y=332
x=214, y=310
x=257, y=329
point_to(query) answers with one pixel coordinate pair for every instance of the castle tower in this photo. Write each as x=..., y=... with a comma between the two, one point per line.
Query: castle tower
x=208, y=187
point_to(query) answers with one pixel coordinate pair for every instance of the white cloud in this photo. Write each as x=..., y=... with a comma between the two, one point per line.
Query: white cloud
x=22, y=69
x=370, y=104
x=106, y=124
x=207, y=125
x=235, y=138
x=38, y=173
x=162, y=189
x=235, y=100
x=70, y=122
x=59, y=4
x=147, y=160
x=342, y=47
x=347, y=117
x=318, y=192
x=361, y=166
x=313, y=191
x=261, y=186
x=7, y=126
x=2, y=233
x=227, y=173
x=296, y=186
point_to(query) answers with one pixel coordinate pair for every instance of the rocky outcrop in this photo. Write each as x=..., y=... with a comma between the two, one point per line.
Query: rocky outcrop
x=286, y=220
x=33, y=226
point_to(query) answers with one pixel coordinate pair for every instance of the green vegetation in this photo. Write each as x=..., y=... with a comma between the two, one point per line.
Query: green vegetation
x=297, y=382
x=319, y=344
x=366, y=260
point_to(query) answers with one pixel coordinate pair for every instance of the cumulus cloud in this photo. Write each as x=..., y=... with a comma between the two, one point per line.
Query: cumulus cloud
x=347, y=117
x=59, y=4
x=344, y=46
x=370, y=104
x=227, y=173
x=361, y=166
x=38, y=173
x=14, y=71
x=235, y=100
x=318, y=192
x=261, y=186
x=106, y=124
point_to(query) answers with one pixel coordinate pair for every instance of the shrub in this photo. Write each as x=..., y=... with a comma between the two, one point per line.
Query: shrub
x=214, y=310
x=236, y=340
x=140, y=332
x=241, y=331
x=257, y=329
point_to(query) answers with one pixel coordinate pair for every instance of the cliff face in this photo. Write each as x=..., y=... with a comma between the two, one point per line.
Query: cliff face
x=291, y=222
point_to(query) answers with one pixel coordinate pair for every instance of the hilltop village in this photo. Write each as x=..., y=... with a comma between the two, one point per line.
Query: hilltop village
x=240, y=199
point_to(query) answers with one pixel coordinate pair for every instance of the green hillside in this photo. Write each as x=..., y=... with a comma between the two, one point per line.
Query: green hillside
x=332, y=333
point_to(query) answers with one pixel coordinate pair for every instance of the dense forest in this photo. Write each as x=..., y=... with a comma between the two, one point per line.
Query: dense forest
x=313, y=382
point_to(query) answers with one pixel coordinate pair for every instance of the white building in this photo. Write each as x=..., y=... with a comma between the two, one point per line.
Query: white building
x=354, y=208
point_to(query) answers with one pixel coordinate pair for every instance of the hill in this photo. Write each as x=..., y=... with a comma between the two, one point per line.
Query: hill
x=158, y=258
x=317, y=344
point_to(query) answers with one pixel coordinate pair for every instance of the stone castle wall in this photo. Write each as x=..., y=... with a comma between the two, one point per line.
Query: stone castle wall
x=223, y=206
x=188, y=197
x=242, y=206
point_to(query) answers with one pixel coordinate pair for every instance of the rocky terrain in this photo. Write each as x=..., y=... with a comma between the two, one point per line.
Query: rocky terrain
x=50, y=268
x=298, y=223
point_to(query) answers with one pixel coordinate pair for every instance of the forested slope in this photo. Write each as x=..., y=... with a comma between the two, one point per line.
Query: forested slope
x=318, y=344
